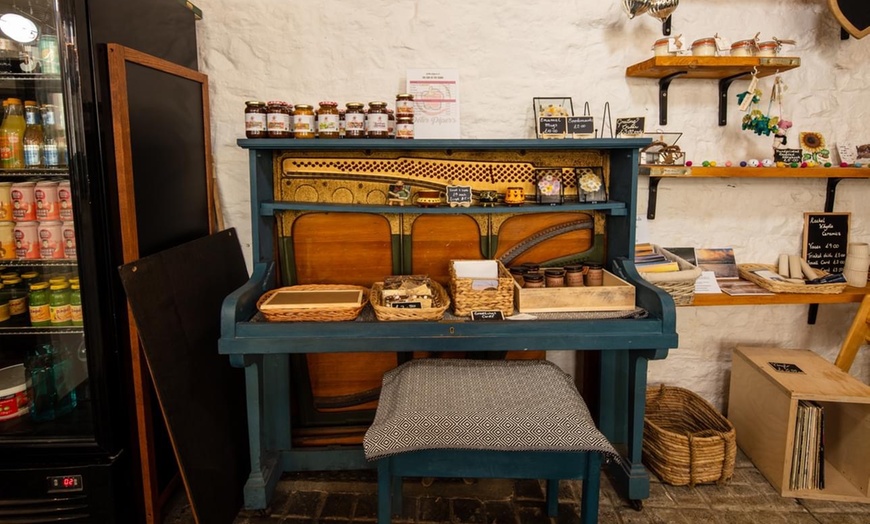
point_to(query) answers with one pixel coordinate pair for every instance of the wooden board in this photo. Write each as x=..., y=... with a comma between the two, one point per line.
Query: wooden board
x=175, y=297
x=615, y=295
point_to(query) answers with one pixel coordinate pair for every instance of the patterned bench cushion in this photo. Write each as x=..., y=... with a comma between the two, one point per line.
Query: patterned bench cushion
x=518, y=405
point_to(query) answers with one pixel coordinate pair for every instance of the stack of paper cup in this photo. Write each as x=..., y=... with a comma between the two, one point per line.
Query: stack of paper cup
x=857, y=264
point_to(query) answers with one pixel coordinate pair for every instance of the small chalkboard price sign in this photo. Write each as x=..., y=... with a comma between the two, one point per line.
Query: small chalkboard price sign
x=552, y=126
x=785, y=367
x=581, y=126
x=487, y=315
x=459, y=196
x=788, y=156
x=826, y=239
x=630, y=127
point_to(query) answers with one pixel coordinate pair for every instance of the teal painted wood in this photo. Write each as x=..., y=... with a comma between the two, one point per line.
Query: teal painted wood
x=269, y=208
x=625, y=345
x=466, y=463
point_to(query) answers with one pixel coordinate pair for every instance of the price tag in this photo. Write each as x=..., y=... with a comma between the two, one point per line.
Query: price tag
x=487, y=315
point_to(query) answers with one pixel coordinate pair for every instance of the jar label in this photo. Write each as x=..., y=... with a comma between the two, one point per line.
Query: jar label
x=303, y=123
x=76, y=313
x=59, y=314
x=18, y=306
x=327, y=123
x=255, y=122
x=377, y=122
x=40, y=314
x=32, y=154
x=355, y=122
x=404, y=130
x=51, y=155
x=404, y=107
x=279, y=122
x=4, y=312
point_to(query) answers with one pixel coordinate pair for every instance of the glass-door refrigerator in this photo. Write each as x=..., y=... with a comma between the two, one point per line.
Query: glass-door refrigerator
x=69, y=445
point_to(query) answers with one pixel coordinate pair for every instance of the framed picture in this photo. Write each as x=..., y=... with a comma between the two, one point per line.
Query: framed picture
x=591, y=187
x=551, y=116
x=549, y=188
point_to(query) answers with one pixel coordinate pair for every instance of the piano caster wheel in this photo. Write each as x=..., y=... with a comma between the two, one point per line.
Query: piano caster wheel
x=637, y=505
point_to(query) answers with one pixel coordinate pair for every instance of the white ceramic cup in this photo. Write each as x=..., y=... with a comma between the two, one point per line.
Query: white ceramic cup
x=861, y=263
x=855, y=277
x=860, y=249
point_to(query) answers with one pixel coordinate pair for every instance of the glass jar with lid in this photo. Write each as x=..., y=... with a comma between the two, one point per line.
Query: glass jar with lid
x=303, y=121
x=377, y=121
x=391, y=123
x=354, y=120
x=278, y=119
x=404, y=127
x=328, y=120
x=404, y=104
x=704, y=47
x=743, y=48
x=255, y=119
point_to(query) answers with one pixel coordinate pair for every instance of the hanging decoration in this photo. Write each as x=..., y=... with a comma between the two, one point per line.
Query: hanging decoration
x=780, y=137
x=662, y=9
x=756, y=121
x=635, y=7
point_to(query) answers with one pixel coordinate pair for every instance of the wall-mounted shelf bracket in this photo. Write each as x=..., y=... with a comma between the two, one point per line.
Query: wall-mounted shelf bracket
x=651, y=198
x=664, y=84
x=831, y=194
x=724, y=85
x=844, y=35
x=666, y=26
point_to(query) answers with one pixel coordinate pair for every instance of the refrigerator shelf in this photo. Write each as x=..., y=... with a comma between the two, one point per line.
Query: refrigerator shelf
x=42, y=330
x=39, y=262
x=39, y=171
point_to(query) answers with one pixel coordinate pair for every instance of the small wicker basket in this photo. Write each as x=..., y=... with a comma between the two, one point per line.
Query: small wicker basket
x=685, y=440
x=313, y=314
x=440, y=303
x=746, y=273
x=680, y=285
x=466, y=299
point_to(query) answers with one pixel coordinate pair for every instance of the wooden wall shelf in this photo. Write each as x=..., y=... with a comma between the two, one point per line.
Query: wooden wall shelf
x=726, y=69
x=850, y=294
x=833, y=174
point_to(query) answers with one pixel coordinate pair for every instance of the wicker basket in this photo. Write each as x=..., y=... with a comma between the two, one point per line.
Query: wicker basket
x=440, y=303
x=685, y=440
x=466, y=299
x=678, y=284
x=313, y=315
x=746, y=273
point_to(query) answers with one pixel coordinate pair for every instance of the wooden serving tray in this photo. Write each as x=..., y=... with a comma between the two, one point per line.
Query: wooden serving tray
x=615, y=295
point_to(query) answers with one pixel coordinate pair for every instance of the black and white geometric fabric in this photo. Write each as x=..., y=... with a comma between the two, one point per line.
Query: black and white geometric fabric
x=517, y=405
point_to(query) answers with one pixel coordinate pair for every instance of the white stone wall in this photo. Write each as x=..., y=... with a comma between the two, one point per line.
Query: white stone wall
x=509, y=52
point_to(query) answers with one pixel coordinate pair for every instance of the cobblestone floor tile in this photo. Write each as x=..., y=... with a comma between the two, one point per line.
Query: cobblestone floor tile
x=300, y=504
x=338, y=506
x=531, y=512
x=568, y=514
x=500, y=512
x=526, y=489
x=468, y=510
x=434, y=509
x=366, y=508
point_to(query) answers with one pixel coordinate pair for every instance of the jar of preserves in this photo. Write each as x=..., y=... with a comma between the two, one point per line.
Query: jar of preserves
x=704, y=47
x=533, y=280
x=554, y=277
x=328, y=120
x=662, y=47
x=255, y=119
x=354, y=120
x=59, y=309
x=769, y=48
x=37, y=299
x=17, y=300
x=574, y=275
x=404, y=104
x=377, y=121
x=75, y=304
x=278, y=120
x=743, y=48
x=404, y=127
x=303, y=121
x=341, y=123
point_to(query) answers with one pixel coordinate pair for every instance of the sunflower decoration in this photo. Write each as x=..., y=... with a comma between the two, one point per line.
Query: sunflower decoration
x=813, y=146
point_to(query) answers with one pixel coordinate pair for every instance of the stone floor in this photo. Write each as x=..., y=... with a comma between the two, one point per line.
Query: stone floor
x=349, y=497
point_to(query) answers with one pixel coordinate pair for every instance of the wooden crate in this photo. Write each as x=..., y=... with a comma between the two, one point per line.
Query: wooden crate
x=763, y=408
x=615, y=295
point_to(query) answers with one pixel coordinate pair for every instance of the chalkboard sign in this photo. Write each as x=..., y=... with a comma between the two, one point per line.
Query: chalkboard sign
x=552, y=126
x=459, y=196
x=853, y=15
x=581, y=126
x=629, y=127
x=785, y=367
x=487, y=315
x=826, y=238
x=788, y=156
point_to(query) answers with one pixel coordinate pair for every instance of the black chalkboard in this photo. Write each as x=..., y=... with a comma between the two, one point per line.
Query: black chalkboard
x=853, y=15
x=630, y=127
x=826, y=238
x=785, y=367
x=552, y=125
x=788, y=156
x=581, y=125
x=458, y=195
x=487, y=315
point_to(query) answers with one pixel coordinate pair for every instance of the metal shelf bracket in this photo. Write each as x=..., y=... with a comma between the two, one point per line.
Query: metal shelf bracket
x=724, y=85
x=653, y=194
x=831, y=194
x=664, y=83
x=666, y=26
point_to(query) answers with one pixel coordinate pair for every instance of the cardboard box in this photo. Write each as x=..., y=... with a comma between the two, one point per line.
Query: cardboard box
x=615, y=295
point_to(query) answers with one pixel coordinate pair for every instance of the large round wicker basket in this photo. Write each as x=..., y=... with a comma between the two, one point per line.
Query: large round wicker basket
x=685, y=440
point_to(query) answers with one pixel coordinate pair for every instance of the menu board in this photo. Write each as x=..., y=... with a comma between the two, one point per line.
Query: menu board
x=826, y=239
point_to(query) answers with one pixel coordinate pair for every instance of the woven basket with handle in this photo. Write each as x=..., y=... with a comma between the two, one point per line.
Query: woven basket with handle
x=685, y=440
x=680, y=285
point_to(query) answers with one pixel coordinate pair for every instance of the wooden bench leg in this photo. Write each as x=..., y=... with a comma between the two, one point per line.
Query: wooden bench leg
x=553, y=497
x=385, y=478
x=590, y=490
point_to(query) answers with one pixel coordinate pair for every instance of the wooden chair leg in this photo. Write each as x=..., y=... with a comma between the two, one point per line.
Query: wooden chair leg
x=553, y=497
x=590, y=490
x=856, y=337
x=384, y=491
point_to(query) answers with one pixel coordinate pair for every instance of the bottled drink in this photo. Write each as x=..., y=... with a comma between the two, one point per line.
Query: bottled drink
x=33, y=135
x=12, y=136
x=50, y=155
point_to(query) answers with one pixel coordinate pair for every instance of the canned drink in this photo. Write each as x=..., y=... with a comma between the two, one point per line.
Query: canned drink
x=5, y=201
x=64, y=198
x=48, y=55
x=7, y=240
x=68, y=232
x=50, y=239
x=26, y=240
x=47, y=205
x=23, y=201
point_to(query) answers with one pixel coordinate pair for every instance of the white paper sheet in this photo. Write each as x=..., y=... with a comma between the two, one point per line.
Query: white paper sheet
x=436, y=102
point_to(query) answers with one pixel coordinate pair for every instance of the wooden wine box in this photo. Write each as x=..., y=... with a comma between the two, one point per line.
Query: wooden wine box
x=766, y=386
x=614, y=295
